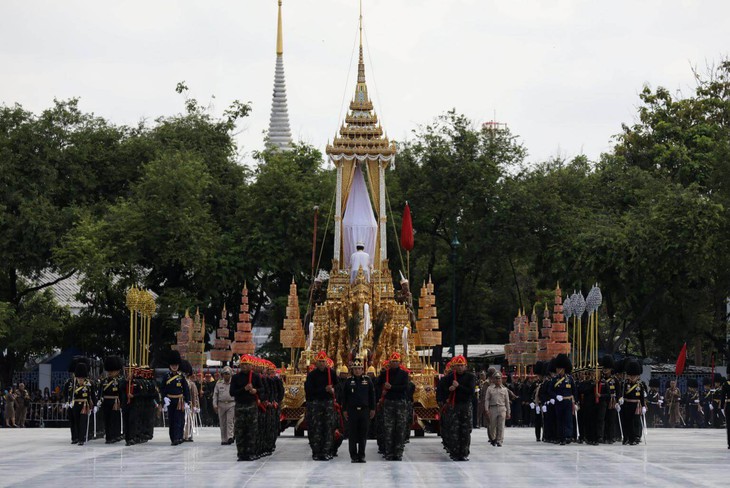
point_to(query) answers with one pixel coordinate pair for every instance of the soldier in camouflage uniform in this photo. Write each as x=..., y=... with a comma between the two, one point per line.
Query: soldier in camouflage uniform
x=246, y=387
x=319, y=390
x=461, y=384
x=395, y=409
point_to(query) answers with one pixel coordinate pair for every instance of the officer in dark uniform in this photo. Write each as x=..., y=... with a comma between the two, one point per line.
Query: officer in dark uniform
x=563, y=393
x=535, y=403
x=358, y=403
x=176, y=394
x=68, y=396
x=111, y=404
x=633, y=404
x=84, y=402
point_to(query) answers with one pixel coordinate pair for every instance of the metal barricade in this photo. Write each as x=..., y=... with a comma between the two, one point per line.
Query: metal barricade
x=46, y=414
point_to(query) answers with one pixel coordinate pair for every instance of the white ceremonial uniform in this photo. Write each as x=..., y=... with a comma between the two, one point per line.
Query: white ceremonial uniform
x=359, y=258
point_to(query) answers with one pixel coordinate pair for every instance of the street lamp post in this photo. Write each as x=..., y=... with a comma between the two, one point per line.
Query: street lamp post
x=454, y=246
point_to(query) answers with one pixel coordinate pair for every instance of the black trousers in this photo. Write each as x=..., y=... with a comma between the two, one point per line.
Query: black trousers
x=538, y=425
x=112, y=420
x=81, y=421
x=358, y=422
x=72, y=423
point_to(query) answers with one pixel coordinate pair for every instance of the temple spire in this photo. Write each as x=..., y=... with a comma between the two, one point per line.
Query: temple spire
x=279, y=130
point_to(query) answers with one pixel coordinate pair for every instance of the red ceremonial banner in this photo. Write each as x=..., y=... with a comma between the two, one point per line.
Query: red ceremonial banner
x=406, y=230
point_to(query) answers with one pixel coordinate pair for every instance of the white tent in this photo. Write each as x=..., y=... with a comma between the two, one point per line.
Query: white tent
x=359, y=224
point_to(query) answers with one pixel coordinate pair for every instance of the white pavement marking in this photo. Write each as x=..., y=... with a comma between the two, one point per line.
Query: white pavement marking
x=675, y=457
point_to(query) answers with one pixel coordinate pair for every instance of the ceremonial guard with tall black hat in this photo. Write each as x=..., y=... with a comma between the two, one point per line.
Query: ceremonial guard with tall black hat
x=536, y=397
x=358, y=404
x=632, y=404
x=68, y=396
x=319, y=391
x=110, y=396
x=190, y=413
x=83, y=402
x=564, y=392
x=246, y=386
x=176, y=397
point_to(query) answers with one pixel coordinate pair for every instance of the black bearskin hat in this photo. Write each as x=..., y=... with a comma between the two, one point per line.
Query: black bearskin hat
x=654, y=383
x=633, y=368
x=173, y=357
x=539, y=368
x=607, y=362
x=76, y=360
x=82, y=370
x=186, y=367
x=113, y=363
x=563, y=361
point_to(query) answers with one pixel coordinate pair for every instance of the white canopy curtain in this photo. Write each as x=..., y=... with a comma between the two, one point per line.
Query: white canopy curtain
x=358, y=223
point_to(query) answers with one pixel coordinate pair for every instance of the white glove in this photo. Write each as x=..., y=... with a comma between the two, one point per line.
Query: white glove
x=618, y=407
x=96, y=409
x=196, y=410
x=164, y=409
x=661, y=402
x=167, y=403
x=577, y=407
x=187, y=406
x=621, y=401
x=98, y=403
x=544, y=409
x=538, y=409
x=560, y=398
x=697, y=401
x=552, y=401
x=711, y=407
x=532, y=404
x=643, y=410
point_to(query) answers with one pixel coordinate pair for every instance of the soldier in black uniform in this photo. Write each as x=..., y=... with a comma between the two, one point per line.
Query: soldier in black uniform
x=84, y=402
x=176, y=394
x=535, y=402
x=319, y=391
x=633, y=404
x=653, y=404
x=358, y=403
x=68, y=396
x=246, y=386
x=111, y=406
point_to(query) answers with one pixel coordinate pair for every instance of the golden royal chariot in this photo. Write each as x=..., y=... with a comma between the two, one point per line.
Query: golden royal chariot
x=359, y=312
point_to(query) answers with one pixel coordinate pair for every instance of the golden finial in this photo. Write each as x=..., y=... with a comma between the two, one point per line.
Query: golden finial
x=187, y=313
x=360, y=24
x=279, y=35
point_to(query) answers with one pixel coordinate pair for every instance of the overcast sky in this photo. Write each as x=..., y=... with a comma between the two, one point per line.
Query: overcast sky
x=562, y=74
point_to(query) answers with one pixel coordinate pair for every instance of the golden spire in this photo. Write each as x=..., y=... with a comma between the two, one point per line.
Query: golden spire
x=361, y=133
x=279, y=35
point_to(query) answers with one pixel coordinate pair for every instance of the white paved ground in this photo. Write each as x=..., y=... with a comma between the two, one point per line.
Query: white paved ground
x=44, y=457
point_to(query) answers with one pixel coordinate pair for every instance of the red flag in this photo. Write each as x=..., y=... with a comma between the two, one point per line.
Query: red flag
x=406, y=230
x=681, y=359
